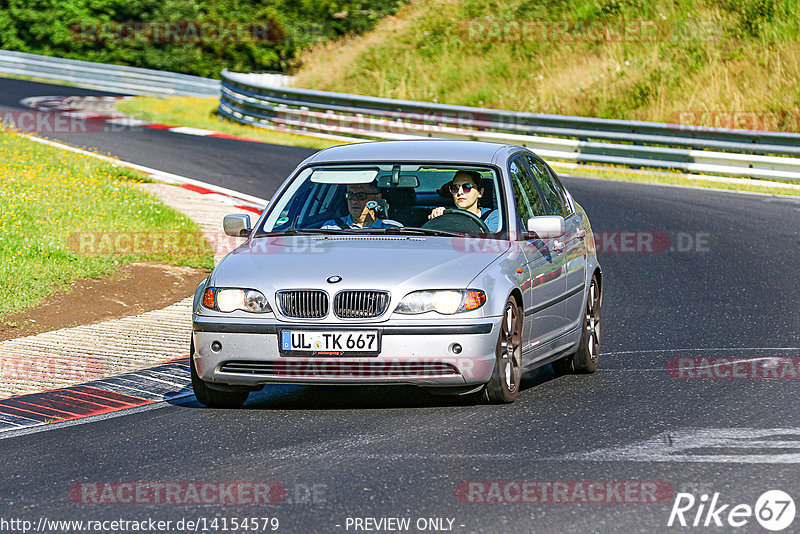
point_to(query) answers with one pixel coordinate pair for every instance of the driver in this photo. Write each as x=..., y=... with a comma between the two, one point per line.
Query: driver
x=360, y=216
x=466, y=190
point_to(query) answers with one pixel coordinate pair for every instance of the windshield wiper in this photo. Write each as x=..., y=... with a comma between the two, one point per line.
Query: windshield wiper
x=416, y=230
x=305, y=231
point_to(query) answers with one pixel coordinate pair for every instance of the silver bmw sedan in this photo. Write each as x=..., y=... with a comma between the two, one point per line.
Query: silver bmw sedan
x=450, y=265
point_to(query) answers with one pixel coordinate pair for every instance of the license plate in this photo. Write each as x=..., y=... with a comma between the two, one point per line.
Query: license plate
x=330, y=342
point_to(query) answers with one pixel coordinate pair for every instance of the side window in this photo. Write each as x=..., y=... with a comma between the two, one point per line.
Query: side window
x=549, y=191
x=562, y=192
x=526, y=197
x=318, y=202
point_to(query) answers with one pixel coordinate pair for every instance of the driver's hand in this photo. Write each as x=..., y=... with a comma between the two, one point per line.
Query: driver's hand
x=436, y=212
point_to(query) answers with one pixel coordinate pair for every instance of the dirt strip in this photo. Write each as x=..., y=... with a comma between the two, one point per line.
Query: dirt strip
x=108, y=347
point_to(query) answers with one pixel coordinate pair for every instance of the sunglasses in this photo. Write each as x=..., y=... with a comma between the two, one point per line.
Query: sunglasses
x=358, y=196
x=455, y=187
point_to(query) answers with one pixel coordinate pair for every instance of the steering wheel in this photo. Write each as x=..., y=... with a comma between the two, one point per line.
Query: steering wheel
x=458, y=220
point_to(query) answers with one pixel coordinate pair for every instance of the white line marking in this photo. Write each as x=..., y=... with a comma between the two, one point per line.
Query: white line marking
x=746, y=360
x=191, y=131
x=695, y=350
x=698, y=445
x=162, y=175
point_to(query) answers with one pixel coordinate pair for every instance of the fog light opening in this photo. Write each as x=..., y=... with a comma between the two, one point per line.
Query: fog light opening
x=216, y=346
x=455, y=348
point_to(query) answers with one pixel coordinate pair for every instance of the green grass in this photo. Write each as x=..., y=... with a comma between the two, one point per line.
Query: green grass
x=201, y=113
x=700, y=62
x=60, y=214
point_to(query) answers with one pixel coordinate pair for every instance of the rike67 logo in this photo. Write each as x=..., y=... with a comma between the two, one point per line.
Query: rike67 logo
x=774, y=510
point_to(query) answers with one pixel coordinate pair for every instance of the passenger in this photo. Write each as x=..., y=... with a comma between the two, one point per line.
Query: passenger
x=360, y=216
x=467, y=192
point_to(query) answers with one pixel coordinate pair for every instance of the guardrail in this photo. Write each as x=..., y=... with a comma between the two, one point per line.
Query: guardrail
x=119, y=78
x=115, y=78
x=718, y=151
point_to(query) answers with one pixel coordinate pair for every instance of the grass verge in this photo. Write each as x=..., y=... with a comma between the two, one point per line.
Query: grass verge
x=65, y=216
x=198, y=112
x=727, y=63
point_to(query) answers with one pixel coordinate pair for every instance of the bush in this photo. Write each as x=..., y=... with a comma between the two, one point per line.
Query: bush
x=101, y=30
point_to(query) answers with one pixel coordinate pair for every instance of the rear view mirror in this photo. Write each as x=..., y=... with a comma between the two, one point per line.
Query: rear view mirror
x=547, y=226
x=236, y=225
x=399, y=180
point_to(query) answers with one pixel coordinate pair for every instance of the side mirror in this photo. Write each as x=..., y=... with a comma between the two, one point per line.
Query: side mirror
x=547, y=226
x=236, y=225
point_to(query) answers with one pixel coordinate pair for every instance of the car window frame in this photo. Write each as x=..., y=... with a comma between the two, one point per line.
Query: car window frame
x=520, y=157
x=502, y=204
x=568, y=202
x=546, y=176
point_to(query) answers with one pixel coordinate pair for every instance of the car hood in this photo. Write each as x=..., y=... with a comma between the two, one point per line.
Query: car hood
x=396, y=263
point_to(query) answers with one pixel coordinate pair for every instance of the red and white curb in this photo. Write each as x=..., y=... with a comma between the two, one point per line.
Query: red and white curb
x=166, y=382
x=228, y=196
x=101, y=108
x=121, y=393
x=70, y=105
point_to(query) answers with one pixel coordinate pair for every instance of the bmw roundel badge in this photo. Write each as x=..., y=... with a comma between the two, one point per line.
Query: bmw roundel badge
x=334, y=279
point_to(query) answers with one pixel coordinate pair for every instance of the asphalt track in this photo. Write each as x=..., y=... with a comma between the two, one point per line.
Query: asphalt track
x=397, y=453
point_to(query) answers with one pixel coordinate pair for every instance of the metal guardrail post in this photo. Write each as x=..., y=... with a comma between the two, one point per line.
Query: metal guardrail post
x=750, y=153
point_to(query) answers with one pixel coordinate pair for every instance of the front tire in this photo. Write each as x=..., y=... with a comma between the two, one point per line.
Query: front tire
x=212, y=397
x=585, y=359
x=504, y=384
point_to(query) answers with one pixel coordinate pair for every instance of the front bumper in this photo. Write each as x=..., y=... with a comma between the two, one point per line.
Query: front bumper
x=419, y=354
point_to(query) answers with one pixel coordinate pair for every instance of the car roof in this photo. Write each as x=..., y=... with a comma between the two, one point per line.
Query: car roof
x=425, y=150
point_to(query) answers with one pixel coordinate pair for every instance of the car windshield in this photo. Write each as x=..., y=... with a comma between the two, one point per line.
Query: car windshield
x=389, y=197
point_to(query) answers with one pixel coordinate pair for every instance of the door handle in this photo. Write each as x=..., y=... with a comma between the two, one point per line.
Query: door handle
x=558, y=246
x=580, y=234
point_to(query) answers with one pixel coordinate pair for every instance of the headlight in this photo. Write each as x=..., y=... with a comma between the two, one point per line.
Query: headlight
x=445, y=301
x=228, y=300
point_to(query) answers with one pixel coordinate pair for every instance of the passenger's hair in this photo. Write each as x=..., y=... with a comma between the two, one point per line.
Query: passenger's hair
x=474, y=176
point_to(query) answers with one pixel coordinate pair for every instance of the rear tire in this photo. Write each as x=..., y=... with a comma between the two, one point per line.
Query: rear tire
x=211, y=397
x=504, y=384
x=585, y=359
